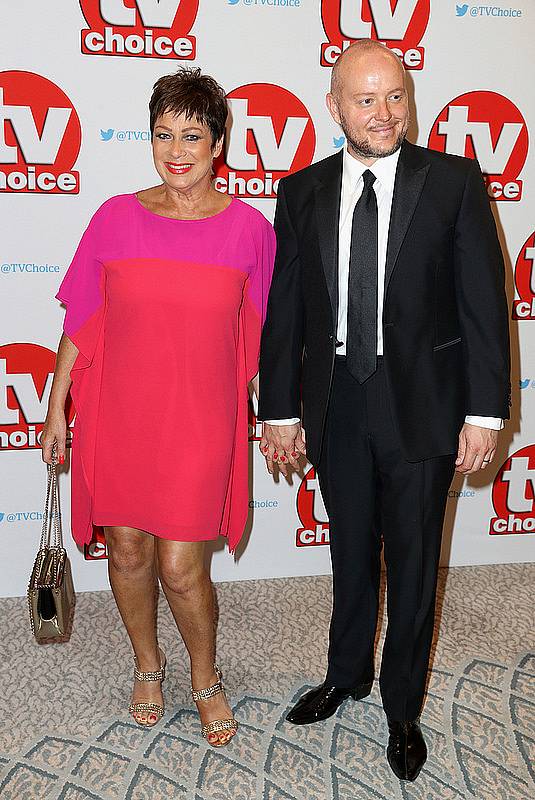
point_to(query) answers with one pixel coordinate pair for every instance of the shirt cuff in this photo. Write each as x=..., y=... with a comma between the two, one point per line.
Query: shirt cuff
x=290, y=421
x=494, y=423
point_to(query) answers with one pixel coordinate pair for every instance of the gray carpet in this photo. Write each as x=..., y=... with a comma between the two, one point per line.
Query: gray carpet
x=66, y=734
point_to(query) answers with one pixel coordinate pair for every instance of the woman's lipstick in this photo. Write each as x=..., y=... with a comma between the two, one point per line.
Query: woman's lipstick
x=177, y=169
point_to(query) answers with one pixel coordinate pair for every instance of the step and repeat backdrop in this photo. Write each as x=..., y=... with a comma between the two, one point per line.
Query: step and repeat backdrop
x=75, y=80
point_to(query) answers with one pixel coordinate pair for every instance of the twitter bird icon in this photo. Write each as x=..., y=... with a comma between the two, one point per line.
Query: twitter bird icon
x=106, y=135
x=524, y=384
x=338, y=142
x=1, y=516
x=461, y=10
x=233, y=2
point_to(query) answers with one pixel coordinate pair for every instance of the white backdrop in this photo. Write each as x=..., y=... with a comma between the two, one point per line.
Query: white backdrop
x=74, y=132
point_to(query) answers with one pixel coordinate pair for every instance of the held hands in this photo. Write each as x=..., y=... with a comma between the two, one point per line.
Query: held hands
x=283, y=445
x=477, y=447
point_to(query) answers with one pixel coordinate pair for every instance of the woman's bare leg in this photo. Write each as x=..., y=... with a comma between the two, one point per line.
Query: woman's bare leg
x=134, y=584
x=189, y=592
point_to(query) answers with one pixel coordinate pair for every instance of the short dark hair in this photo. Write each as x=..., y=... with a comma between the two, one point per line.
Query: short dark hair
x=190, y=92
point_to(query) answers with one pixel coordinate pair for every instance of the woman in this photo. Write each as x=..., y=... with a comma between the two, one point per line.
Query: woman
x=165, y=301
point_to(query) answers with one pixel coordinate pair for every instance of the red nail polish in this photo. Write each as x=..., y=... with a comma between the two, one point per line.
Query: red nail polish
x=62, y=459
x=294, y=455
x=275, y=454
x=283, y=458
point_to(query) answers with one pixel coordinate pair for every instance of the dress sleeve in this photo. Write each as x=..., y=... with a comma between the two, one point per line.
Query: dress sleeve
x=82, y=292
x=257, y=294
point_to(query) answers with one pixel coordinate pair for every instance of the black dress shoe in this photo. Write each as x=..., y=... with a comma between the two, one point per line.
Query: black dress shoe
x=322, y=702
x=406, y=751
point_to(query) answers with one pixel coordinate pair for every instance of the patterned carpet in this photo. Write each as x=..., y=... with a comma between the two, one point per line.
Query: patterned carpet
x=67, y=737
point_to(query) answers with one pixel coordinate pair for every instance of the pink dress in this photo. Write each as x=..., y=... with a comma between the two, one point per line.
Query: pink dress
x=166, y=315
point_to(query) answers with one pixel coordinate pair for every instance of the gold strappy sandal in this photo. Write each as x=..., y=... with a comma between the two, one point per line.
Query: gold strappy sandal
x=150, y=708
x=217, y=725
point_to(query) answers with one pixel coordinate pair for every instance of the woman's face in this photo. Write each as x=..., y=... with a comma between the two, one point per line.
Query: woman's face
x=182, y=150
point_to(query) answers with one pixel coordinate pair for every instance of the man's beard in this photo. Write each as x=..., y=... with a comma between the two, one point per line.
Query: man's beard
x=363, y=148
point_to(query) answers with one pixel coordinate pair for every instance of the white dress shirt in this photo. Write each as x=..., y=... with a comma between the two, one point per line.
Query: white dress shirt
x=384, y=170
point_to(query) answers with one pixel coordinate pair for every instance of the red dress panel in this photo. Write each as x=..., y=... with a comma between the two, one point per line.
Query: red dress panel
x=167, y=316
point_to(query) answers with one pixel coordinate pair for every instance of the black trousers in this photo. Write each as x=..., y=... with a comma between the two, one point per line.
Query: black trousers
x=370, y=491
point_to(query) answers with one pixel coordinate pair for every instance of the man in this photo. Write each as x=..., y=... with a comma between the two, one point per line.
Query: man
x=387, y=332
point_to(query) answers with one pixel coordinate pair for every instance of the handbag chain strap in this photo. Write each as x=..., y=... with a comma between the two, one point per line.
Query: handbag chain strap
x=51, y=516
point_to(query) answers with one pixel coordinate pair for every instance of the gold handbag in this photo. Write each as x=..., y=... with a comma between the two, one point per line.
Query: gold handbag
x=51, y=597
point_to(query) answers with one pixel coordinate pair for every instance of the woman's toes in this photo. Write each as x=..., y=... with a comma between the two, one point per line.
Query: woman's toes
x=212, y=738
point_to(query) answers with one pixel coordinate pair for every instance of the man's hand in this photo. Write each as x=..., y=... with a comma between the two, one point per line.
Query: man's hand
x=477, y=447
x=282, y=444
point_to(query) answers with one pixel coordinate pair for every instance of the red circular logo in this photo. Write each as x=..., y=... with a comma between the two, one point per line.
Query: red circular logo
x=525, y=280
x=312, y=513
x=97, y=549
x=271, y=135
x=489, y=127
x=513, y=494
x=26, y=374
x=41, y=137
x=143, y=28
x=401, y=26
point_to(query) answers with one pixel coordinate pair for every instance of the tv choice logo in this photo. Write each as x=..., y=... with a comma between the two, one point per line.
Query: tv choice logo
x=272, y=134
x=524, y=308
x=26, y=374
x=513, y=494
x=487, y=126
x=40, y=136
x=312, y=513
x=139, y=28
x=401, y=26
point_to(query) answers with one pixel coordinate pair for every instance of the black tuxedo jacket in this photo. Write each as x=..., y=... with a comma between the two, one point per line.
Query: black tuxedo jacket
x=445, y=320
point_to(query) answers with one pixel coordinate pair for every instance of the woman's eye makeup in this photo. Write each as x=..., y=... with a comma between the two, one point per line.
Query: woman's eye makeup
x=188, y=137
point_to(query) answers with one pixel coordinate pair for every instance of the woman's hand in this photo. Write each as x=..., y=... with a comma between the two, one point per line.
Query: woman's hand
x=283, y=444
x=54, y=432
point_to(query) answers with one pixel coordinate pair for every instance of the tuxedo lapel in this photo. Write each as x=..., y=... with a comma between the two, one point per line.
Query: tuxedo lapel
x=411, y=174
x=328, y=192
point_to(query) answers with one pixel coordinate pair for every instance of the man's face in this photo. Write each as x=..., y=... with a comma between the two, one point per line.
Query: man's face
x=370, y=104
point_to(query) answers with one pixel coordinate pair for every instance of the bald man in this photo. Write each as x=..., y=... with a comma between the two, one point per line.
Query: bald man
x=387, y=334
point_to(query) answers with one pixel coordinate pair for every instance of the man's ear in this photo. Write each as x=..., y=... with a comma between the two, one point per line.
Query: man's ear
x=332, y=105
